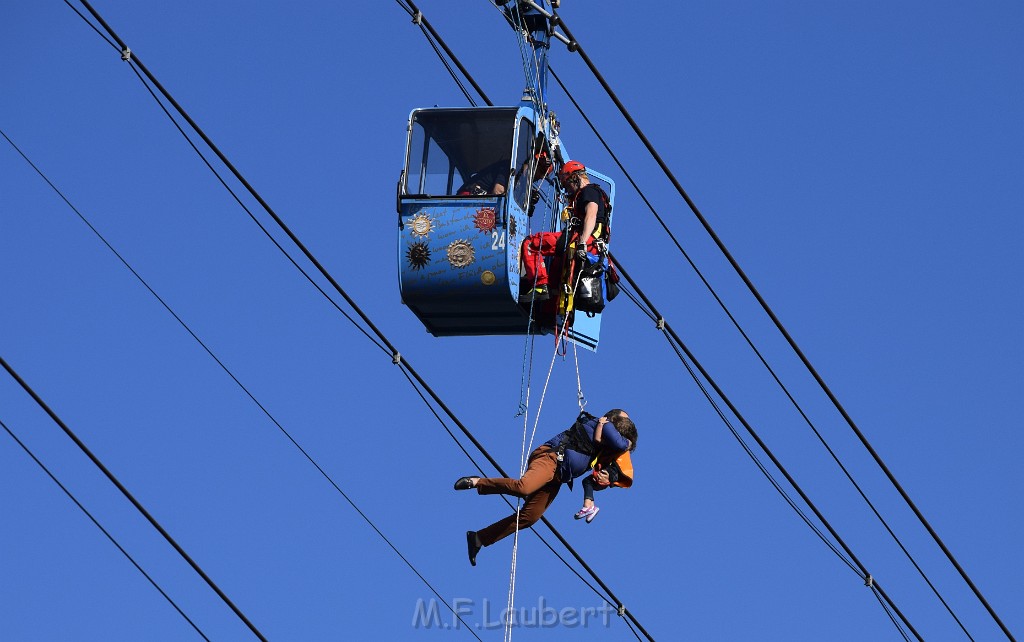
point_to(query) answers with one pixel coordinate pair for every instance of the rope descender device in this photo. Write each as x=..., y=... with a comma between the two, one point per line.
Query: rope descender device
x=126, y=54
x=396, y=358
x=869, y=581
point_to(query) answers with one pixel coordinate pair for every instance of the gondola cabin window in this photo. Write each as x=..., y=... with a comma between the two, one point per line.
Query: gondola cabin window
x=460, y=152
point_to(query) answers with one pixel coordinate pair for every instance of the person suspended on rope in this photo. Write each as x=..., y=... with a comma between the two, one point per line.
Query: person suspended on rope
x=560, y=460
x=611, y=468
x=588, y=220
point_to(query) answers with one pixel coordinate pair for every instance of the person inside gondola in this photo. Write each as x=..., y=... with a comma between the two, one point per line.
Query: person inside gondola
x=492, y=179
x=588, y=227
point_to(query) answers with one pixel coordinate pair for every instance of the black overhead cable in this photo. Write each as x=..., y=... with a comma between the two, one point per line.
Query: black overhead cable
x=243, y=387
x=221, y=180
x=131, y=498
x=518, y=27
x=746, y=447
x=419, y=19
x=575, y=46
x=735, y=433
x=255, y=220
x=760, y=356
x=863, y=572
x=130, y=57
x=91, y=25
x=761, y=466
x=892, y=617
x=102, y=530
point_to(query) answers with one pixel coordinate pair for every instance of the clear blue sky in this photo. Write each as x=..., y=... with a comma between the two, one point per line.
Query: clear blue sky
x=863, y=163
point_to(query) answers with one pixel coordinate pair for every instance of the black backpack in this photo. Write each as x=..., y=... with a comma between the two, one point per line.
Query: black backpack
x=590, y=289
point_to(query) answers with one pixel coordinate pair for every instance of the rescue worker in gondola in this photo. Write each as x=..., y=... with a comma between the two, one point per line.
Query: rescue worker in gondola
x=588, y=226
x=558, y=461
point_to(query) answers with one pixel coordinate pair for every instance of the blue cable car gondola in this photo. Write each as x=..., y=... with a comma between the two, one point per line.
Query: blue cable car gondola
x=465, y=207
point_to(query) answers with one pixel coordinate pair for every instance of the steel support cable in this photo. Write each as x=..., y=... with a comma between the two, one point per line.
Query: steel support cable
x=131, y=498
x=743, y=444
x=255, y=220
x=575, y=46
x=126, y=54
x=230, y=191
x=762, y=359
x=545, y=115
x=542, y=110
x=865, y=575
x=426, y=23
x=417, y=19
x=102, y=530
x=91, y=25
x=753, y=456
x=892, y=617
x=398, y=359
x=528, y=55
x=632, y=630
x=132, y=58
x=238, y=382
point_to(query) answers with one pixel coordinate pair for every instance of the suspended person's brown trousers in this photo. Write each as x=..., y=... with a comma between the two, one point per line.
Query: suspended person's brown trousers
x=539, y=485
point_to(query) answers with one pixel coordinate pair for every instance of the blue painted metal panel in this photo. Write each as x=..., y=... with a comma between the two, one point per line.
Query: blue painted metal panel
x=459, y=265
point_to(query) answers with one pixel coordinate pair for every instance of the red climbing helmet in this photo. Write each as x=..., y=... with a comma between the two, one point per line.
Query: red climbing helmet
x=570, y=168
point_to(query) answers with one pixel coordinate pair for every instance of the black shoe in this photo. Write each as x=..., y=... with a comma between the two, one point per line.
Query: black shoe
x=539, y=293
x=464, y=483
x=473, y=545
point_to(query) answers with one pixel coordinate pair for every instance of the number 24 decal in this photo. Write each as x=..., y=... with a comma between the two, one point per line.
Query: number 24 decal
x=498, y=240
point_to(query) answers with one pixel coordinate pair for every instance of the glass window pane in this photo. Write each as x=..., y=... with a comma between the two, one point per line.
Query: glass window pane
x=464, y=150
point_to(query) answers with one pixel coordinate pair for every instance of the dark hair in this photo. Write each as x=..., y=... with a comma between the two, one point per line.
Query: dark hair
x=624, y=425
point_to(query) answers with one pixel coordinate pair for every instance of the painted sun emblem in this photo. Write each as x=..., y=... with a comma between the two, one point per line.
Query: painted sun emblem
x=484, y=219
x=418, y=255
x=421, y=225
x=460, y=253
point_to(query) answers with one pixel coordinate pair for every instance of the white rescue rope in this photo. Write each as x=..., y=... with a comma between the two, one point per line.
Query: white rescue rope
x=527, y=447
